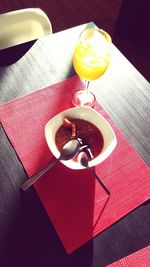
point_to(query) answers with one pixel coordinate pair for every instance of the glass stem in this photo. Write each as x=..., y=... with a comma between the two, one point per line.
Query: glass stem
x=87, y=83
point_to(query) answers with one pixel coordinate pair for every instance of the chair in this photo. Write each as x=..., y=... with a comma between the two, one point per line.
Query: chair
x=19, y=30
x=22, y=26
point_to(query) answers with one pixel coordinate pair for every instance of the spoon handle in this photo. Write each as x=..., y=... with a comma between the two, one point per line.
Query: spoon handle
x=101, y=183
x=83, y=159
x=35, y=177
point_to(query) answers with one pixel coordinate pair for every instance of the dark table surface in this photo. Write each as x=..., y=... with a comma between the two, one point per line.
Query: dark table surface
x=27, y=237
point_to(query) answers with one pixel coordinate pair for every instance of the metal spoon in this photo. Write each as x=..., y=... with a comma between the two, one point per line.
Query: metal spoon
x=69, y=150
x=83, y=159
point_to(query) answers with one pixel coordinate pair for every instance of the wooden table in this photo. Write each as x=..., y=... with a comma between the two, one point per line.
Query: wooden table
x=26, y=236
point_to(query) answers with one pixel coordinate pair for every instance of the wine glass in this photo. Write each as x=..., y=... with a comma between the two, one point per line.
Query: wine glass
x=90, y=60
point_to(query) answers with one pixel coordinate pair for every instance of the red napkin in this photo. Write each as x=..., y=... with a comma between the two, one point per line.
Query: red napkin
x=74, y=200
x=140, y=258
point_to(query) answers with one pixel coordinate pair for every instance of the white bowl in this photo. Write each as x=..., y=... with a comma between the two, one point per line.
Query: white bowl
x=90, y=115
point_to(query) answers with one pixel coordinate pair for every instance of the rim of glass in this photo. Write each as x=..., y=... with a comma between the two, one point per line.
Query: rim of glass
x=101, y=31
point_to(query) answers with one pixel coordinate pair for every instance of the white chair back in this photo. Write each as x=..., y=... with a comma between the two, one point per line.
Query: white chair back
x=21, y=26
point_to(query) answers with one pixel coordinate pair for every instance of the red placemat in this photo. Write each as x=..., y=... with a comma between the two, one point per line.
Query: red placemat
x=140, y=258
x=73, y=199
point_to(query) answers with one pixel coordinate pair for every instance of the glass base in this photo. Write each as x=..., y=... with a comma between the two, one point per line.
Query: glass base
x=83, y=98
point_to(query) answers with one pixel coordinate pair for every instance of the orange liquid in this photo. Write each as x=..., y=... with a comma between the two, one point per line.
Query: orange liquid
x=90, y=64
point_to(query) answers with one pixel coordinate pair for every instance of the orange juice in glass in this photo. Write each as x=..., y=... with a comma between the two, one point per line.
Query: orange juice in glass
x=90, y=59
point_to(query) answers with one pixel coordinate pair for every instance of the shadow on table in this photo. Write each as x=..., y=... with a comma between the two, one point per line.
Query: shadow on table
x=34, y=242
x=131, y=34
x=11, y=55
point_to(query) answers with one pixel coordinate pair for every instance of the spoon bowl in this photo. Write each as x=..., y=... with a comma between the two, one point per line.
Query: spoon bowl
x=69, y=150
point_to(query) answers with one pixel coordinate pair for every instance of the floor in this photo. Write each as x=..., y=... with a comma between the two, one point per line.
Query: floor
x=104, y=13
